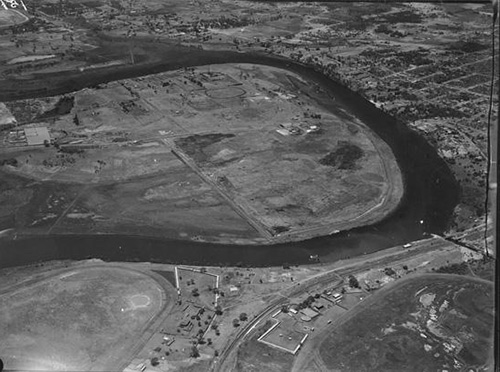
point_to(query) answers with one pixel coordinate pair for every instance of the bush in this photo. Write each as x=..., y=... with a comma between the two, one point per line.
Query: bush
x=353, y=282
x=243, y=317
x=194, y=352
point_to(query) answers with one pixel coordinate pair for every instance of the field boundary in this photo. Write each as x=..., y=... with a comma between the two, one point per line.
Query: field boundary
x=275, y=325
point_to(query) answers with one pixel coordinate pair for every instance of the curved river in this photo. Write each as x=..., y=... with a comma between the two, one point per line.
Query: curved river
x=431, y=191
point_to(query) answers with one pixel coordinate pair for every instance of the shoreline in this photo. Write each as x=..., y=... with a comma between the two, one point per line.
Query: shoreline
x=422, y=199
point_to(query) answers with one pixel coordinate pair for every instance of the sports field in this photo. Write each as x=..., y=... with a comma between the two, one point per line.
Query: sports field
x=78, y=321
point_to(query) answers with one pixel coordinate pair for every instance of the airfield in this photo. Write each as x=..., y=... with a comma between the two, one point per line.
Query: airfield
x=247, y=145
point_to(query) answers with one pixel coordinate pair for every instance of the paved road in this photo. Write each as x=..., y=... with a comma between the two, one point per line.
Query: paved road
x=237, y=207
x=223, y=362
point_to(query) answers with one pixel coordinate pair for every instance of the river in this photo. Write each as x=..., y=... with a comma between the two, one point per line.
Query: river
x=431, y=191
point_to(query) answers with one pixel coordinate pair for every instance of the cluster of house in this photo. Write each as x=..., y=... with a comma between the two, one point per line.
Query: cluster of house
x=319, y=304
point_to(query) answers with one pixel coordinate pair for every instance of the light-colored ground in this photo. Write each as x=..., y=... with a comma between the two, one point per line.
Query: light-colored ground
x=9, y=17
x=221, y=122
x=82, y=319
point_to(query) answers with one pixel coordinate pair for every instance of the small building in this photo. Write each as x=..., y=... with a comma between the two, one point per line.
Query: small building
x=186, y=324
x=337, y=297
x=309, y=313
x=168, y=341
x=318, y=306
x=293, y=311
x=37, y=136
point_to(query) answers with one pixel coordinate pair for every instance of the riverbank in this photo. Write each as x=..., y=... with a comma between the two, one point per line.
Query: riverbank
x=425, y=199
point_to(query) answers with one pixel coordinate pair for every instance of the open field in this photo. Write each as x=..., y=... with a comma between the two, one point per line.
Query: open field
x=422, y=323
x=246, y=144
x=284, y=336
x=11, y=17
x=256, y=356
x=197, y=287
x=79, y=320
x=392, y=54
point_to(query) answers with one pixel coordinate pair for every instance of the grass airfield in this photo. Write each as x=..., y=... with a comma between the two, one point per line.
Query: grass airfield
x=77, y=321
x=246, y=144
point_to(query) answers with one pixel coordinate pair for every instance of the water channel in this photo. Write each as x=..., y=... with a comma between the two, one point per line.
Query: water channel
x=431, y=191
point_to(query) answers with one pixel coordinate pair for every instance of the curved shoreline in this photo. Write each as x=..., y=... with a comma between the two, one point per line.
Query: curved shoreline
x=399, y=227
x=352, y=214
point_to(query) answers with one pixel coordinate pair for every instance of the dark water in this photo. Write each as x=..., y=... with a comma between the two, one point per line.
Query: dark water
x=431, y=192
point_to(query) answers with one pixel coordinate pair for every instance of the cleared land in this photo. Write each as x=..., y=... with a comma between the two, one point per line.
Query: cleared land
x=432, y=322
x=11, y=17
x=80, y=320
x=246, y=144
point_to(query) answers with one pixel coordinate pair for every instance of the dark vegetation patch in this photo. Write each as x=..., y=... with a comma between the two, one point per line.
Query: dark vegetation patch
x=344, y=156
x=24, y=111
x=169, y=275
x=11, y=161
x=483, y=268
x=468, y=46
x=280, y=229
x=194, y=145
x=405, y=16
x=62, y=107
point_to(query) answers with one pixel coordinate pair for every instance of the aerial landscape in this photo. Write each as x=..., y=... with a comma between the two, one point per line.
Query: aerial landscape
x=239, y=185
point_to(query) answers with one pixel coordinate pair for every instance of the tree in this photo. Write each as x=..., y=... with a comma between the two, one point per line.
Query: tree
x=236, y=323
x=243, y=317
x=195, y=292
x=155, y=361
x=218, y=310
x=194, y=352
x=284, y=309
x=353, y=282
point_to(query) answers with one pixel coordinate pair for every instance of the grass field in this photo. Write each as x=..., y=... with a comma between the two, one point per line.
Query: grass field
x=254, y=356
x=113, y=155
x=203, y=284
x=284, y=335
x=77, y=321
x=427, y=323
